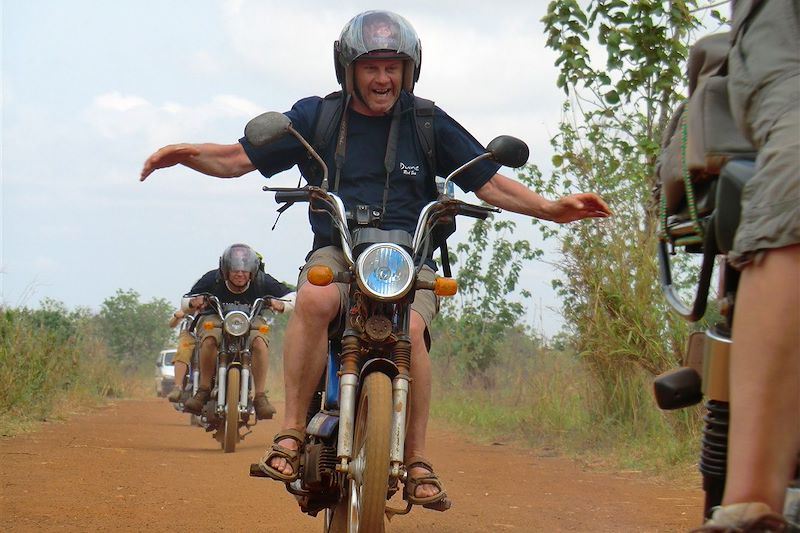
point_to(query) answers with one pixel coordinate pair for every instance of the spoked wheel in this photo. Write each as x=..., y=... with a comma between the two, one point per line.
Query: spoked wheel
x=364, y=495
x=231, y=411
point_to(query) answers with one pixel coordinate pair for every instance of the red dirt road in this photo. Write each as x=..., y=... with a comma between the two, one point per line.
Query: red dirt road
x=138, y=465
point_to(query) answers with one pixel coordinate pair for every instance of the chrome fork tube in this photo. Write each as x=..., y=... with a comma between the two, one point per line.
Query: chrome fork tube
x=222, y=373
x=245, y=386
x=400, y=386
x=347, y=411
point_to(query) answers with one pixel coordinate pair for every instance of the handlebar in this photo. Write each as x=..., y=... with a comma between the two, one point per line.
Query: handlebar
x=475, y=211
x=291, y=196
x=256, y=308
x=430, y=216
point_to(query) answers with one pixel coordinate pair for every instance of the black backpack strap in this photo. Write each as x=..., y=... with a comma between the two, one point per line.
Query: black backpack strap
x=329, y=115
x=423, y=118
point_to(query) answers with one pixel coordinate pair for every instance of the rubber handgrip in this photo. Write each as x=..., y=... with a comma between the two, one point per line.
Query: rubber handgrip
x=291, y=196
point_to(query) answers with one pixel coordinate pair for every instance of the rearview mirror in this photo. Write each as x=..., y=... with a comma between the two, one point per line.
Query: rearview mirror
x=509, y=151
x=266, y=128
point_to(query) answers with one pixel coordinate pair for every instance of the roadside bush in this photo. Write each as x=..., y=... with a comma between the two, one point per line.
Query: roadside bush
x=48, y=356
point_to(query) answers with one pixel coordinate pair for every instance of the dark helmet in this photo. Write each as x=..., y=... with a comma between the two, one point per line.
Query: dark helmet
x=378, y=34
x=239, y=257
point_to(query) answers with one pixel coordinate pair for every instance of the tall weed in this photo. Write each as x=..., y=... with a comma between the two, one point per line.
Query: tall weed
x=47, y=359
x=553, y=399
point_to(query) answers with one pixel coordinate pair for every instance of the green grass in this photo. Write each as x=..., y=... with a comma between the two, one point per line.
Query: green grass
x=48, y=367
x=550, y=399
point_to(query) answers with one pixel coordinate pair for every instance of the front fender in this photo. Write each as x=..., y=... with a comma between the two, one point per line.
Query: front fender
x=378, y=365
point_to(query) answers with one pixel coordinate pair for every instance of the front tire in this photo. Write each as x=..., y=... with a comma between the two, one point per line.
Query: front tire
x=231, y=436
x=365, y=493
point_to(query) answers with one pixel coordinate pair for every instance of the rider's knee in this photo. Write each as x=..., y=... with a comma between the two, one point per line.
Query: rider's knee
x=317, y=303
x=418, y=330
x=258, y=347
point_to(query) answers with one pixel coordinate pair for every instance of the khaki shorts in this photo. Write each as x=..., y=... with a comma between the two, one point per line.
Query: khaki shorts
x=215, y=329
x=764, y=88
x=426, y=303
x=186, y=343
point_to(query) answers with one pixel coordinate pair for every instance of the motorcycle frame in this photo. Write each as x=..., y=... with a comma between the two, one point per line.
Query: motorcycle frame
x=718, y=228
x=233, y=351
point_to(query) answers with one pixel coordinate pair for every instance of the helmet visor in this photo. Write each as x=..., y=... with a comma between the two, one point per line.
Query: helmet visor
x=378, y=31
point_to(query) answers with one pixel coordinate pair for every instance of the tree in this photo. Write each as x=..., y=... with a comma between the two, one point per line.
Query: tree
x=608, y=142
x=477, y=319
x=134, y=331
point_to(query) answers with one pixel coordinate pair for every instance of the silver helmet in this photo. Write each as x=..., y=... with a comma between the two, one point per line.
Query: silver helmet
x=239, y=257
x=377, y=34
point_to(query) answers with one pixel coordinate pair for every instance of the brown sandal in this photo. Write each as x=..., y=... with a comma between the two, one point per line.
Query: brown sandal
x=278, y=451
x=438, y=501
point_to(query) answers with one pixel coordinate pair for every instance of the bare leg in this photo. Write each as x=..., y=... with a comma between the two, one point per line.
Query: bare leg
x=177, y=388
x=208, y=358
x=180, y=372
x=304, y=349
x=260, y=364
x=419, y=401
x=765, y=381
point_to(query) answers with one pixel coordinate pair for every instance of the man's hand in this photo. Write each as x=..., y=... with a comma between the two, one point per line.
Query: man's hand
x=577, y=207
x=168, y=156
x=197, y=303
x=277, y=305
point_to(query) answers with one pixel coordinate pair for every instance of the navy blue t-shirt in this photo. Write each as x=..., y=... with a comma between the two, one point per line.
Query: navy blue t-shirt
x=363, y=176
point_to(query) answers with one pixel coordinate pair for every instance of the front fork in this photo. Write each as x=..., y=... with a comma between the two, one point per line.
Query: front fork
x=222, y=382
x=400, y=388
x=347, y=404
x=348, y=389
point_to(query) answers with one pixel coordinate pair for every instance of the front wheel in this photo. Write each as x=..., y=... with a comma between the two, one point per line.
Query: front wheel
x=231, y=436
x=368, y=483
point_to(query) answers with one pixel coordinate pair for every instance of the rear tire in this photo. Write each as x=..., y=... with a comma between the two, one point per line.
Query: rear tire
x=231, y=411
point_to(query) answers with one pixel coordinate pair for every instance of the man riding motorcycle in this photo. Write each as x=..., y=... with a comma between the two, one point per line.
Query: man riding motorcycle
x=237, y=280
x=380, y=166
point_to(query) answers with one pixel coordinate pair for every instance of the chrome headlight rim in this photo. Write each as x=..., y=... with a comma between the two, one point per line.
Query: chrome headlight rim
x=236, y=323
x=362, y=275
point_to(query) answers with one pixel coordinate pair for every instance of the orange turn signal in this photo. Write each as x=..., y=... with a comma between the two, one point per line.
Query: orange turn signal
x=208, y=325
x=263, y=329
x=445, y=286
x=320, y=275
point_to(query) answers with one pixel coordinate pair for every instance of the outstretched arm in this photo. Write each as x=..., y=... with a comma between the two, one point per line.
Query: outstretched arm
x=219, y=160
x=176, y=318
x=511, y=195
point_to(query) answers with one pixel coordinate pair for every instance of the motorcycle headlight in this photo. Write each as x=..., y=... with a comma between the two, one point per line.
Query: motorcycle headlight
x=236, y=323
x=385, y=271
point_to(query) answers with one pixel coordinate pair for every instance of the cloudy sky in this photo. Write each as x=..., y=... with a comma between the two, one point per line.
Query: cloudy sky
x=91, y=88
